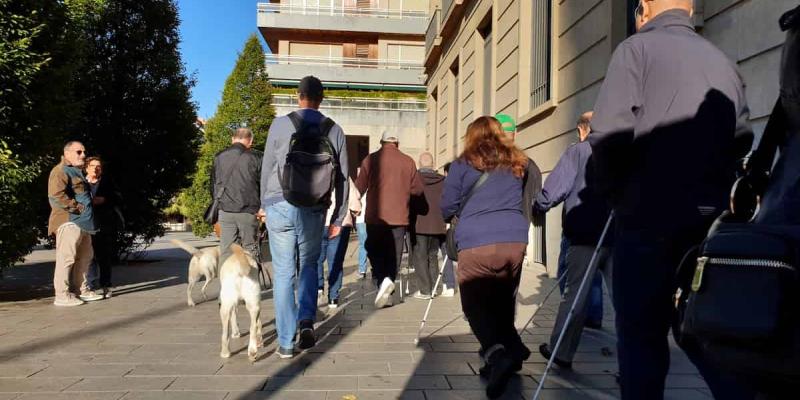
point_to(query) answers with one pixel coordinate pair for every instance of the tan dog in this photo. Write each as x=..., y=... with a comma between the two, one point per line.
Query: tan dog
x=204, y=263
x=238, y=277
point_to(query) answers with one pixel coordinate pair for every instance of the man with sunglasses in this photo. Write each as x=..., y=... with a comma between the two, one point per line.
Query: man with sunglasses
x=72, y=222
x=669, y=124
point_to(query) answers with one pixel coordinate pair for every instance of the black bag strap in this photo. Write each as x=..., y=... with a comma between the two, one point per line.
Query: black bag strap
x=325, y=125
x=475, y=187
x=760, y=161
x=228, y=177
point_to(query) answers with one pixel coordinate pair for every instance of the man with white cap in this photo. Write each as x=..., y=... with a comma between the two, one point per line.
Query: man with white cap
x=389, y=178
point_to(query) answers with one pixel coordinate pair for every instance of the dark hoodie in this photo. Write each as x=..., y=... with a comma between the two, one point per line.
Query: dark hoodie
x=426, y=214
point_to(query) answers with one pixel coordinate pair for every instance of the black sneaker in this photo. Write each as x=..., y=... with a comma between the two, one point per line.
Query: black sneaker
x=333, y=303
x=593, y=324
x=307, y=339
x=544, y=350
x=284, y=353
x=502, y=367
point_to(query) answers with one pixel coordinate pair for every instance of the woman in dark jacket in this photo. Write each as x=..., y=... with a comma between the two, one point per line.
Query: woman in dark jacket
x=106, y=202
x=491, y=235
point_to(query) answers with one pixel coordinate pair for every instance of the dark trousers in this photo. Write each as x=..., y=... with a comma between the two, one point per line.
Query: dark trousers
x=645, y=263
x=104, y=254
x=385, y=250
x=594, y=304
x=449, y=271
x=426, y=261
x=488, y=277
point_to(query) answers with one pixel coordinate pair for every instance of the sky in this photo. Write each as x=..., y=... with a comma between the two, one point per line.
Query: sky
x=213, y=32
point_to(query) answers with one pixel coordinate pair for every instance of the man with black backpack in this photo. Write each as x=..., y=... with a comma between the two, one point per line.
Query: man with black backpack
x=305, y=158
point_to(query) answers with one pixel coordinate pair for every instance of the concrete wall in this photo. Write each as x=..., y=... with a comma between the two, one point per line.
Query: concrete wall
x=377, y=76
x=584, y=34
x=410, y=126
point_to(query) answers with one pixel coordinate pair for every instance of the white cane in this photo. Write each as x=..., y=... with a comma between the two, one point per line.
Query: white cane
x=589, y=272
x=430, y=301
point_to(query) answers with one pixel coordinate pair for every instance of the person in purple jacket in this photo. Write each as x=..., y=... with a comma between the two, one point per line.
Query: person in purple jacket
x=491, y=236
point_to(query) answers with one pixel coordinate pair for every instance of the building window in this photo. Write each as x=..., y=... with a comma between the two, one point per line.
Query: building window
x=541, y=54
x=486, y=34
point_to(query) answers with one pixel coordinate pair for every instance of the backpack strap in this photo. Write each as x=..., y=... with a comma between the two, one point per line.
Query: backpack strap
x=325, y=125
x=296, y=119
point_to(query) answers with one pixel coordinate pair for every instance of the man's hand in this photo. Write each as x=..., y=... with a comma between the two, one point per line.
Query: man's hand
x=81, y=207
x=261, y=215
x=98, y=200
x=334, y=231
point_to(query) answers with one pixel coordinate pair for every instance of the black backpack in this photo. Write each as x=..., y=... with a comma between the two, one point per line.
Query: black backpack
x=311, y=164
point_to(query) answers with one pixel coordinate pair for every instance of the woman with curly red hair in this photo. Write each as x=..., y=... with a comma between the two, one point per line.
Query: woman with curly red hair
x=491, y=237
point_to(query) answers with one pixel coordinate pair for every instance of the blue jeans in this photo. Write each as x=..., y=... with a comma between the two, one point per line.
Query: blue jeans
x=361, y=229
x=93, y=276
x=594, y=304
x=295, y=235
x=334, y=251
x=448, y=275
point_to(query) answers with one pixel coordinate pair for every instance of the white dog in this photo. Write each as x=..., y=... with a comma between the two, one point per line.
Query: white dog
x=204, y=263
x=238, y=277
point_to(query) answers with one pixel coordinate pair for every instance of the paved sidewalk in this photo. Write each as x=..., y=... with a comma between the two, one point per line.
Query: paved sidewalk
x=146, y=343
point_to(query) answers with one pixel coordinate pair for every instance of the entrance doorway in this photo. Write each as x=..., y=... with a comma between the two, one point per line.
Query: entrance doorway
x=357, y=150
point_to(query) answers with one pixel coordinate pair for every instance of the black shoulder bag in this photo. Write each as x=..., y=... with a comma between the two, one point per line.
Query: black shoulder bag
x=212, y=212
x=450, y=241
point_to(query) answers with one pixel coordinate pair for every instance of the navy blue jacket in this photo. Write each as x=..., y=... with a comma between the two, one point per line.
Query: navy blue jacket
x=494, y=212
x=669, y=124
x=570, y=182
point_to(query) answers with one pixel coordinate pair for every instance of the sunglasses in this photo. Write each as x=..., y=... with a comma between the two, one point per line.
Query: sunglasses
x=639, y=10
x=79, y=152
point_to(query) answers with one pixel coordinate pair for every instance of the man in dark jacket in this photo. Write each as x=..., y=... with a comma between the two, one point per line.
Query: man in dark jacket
x=669, y=124
x=389, y=178
x=240, y=196
x=429, y=227
x=585, y=215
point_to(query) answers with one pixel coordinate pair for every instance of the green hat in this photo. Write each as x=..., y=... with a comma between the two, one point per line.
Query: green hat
x=506, y=122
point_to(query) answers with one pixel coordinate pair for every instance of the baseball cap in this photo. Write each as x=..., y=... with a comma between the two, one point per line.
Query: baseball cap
x=389, y=137
x=506, y=122
x=310, y=87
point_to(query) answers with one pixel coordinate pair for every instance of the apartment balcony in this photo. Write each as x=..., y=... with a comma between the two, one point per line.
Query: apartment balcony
x=452, y=11
x=433, y=42
x=336, y=17
x=355, y=103
x=356, y=73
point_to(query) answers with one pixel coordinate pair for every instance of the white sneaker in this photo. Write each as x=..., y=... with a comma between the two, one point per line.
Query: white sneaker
x=107, y=293
x=448, y=292
x=68, y=302
x=419, y=295
x=386, y=290
x=91, y=296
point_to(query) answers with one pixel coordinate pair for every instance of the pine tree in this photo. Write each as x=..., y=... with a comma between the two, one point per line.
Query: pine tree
x=246, y=102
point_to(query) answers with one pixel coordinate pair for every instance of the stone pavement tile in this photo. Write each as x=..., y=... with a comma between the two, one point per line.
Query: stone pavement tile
x=103, y=384
x=133, y=358
x=177, y=395
x=265, y=368
x=594, y=368
x=583, y=394
x=431, y=368
x=20, y=370
x=175, y=369
x=218, y=383
x=469, y=395
x=365, y=357
x=312, y=383
x=474, y=382
x=72, y=396
x=446, y=357
x=685, y=394
x=378, y=395
x=420, y=382
x=264, y=395
x=99, y=348
x=456, y=347
x=329, y=368
x=570, y=380
x=35, y=384
x=685, y=382
x=84, y=370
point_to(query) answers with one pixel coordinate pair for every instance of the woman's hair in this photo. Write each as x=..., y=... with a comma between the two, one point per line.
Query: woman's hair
x=89, y=161
x=487, y=148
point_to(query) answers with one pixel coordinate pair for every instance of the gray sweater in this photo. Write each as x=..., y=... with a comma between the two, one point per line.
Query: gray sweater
x=275, y=150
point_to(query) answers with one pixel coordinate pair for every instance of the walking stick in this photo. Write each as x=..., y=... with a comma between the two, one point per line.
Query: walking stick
x=430, y=301
x=589, y=272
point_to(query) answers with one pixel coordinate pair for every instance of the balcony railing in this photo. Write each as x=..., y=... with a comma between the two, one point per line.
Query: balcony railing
x=356, y=103
x=433, y=29
x=346, y=62
x=337, y=8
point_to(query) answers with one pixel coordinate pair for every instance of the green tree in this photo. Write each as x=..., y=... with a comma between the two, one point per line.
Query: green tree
x=137, y=113
x=246, y=101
